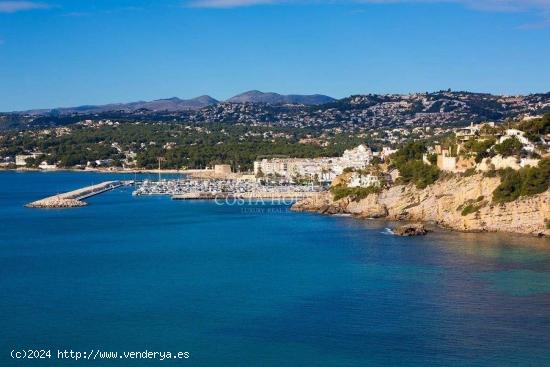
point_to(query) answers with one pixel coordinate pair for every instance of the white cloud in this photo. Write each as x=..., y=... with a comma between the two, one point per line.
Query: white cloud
x=493, y=5
x=540, y=7
x=490, y=5
x=229, y=3
x=15, y=6
x=77, y=14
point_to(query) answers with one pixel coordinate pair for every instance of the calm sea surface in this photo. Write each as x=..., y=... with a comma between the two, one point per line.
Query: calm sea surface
x=258, y=285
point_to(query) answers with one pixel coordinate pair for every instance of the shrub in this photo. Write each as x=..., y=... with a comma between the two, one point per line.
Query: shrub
x=472, y=208
x=536, y=179
x=491, y=173
x=509, y=188
x=478, y=146
x=348, y=170
x=354, y=193
x=410, y=151
x=527, y=181
x=418, y=173
x=469, y=209
x=509, y=147
x=470, y=172
x=432, y=158
x=535, y=128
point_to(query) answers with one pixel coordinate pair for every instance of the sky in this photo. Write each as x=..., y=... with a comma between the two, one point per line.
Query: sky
x=56, y=53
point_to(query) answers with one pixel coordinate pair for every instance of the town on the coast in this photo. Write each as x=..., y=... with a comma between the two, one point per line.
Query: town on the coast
x=321, y=167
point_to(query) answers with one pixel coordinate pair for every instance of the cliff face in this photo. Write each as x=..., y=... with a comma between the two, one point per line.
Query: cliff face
x=462, y=204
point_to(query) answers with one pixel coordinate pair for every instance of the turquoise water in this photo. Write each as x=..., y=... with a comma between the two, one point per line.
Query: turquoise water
x=258, y=285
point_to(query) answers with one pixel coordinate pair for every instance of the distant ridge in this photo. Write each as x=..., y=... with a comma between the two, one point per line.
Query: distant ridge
x=168, y=104
x=440, y=108
x=466, y=105
x=255, y=96
x=176, y=104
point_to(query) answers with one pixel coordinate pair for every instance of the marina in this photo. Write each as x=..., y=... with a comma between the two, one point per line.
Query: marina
x=209, y=189
x=184, y=189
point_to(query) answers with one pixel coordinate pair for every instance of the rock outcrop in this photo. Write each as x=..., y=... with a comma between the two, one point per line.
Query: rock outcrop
x=459, y=203
x=413, y=229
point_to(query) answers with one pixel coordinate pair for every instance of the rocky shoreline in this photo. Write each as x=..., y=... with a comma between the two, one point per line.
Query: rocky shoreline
x=445, y=203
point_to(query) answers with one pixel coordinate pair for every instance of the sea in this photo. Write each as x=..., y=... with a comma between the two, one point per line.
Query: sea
x=200, y=283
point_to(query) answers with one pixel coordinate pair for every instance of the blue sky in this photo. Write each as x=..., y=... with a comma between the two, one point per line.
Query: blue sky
x=73, y=52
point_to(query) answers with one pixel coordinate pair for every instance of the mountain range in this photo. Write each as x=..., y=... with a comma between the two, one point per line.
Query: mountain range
x=442, y=108
x=255, y=96
x=175, y=104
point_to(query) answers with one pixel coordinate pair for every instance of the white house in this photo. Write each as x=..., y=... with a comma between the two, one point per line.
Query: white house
x=364, y=180
x=520, y=135
x=45, y=166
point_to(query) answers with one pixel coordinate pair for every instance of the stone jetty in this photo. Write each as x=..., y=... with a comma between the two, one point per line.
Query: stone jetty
x=73, y=199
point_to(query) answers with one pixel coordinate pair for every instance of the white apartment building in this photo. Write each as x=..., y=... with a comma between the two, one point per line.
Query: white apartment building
x=325, y=168
x=358, y=157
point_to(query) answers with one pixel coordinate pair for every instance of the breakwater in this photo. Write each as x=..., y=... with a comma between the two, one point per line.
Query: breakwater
x=73, y=199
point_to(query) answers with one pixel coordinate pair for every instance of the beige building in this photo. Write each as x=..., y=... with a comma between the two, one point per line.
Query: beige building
x=222, y=169
x=447, y=161
x=21, y=159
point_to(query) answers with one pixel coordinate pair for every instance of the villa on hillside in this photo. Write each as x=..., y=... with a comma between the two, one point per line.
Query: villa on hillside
x=519, y=135
x=451, y=159
x=466, y=133
x=358, y=179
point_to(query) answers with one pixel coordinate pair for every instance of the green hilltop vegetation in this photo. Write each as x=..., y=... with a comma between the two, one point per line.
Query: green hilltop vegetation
x=180, y=146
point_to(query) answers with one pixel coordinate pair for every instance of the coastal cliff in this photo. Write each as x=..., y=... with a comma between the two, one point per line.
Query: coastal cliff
x=458, y=203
